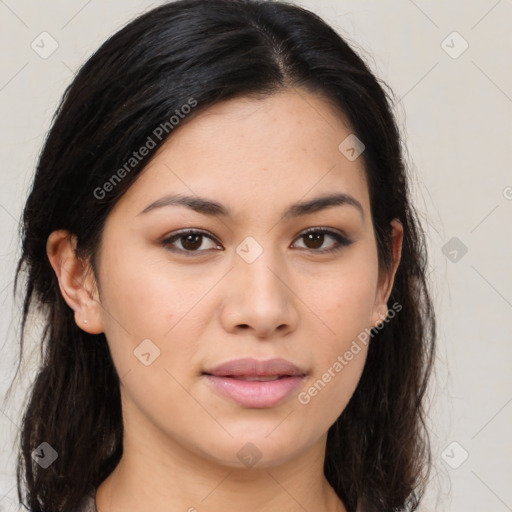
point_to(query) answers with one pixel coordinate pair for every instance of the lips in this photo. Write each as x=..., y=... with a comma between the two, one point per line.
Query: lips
x=255, y=384
x=257, y=378
x=254, y=369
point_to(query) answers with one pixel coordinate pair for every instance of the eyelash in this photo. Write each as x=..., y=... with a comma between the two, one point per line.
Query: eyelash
x=341, y=240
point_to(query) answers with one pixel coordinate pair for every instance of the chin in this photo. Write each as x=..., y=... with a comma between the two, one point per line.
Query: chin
x=258, y=451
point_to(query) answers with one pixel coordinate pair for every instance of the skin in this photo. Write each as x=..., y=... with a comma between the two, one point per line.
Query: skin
x=181, y=438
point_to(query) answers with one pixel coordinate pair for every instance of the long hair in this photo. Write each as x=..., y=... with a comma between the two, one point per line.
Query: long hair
x=201, y=52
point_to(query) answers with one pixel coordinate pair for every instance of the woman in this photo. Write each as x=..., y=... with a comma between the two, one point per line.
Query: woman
x=220, y=236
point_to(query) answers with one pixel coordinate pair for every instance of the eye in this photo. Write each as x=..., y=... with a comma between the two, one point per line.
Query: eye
x=315, y=238
x=190, y=240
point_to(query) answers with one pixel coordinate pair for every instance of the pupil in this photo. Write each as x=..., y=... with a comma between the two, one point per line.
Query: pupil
x=315, y=237
x=189, y=241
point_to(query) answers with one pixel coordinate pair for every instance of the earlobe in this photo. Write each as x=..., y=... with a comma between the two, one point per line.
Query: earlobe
x=76, y=283
x=386, y=280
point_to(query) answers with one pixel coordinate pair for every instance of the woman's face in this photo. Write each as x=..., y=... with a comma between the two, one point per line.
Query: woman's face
x=250, y=283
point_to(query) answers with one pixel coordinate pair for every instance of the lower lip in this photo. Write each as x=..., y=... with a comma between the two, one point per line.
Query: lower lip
x=256, y=394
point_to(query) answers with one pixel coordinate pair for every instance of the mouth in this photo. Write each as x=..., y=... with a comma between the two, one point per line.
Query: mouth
x=250, y=368
x=252, y=378
x=255, y=384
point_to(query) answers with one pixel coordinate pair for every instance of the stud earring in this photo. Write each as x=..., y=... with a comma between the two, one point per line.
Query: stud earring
x=382, y=318
x=85, y=321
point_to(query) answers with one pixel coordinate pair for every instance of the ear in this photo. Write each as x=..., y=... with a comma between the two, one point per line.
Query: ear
x=387, y=278
x=76, y=281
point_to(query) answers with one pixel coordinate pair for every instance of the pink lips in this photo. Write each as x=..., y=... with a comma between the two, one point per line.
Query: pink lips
x=254, y=383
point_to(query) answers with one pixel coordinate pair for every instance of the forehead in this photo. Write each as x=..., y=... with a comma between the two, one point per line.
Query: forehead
x=250, y=150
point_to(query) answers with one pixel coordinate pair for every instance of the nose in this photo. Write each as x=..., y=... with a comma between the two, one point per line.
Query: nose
x=259, y=299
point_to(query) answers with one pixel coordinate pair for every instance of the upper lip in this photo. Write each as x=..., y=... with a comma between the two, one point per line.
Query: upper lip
x=249, y=367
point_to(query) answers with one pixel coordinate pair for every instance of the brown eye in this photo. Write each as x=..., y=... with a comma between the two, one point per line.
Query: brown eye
x=191, y=241
x=314, y=239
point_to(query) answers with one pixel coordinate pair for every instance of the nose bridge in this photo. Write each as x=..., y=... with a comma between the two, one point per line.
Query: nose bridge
x=257, y=266
x=259, y=297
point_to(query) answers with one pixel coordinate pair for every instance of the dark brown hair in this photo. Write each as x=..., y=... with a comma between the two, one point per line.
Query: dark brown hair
x=378, y=450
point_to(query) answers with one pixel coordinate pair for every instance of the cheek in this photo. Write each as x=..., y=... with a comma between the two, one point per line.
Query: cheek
x=146, y=298
x=340, y=354
x=328, y=392
x=344, y=299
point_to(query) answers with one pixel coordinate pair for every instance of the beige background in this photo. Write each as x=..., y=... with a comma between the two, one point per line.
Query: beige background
x=455, y=111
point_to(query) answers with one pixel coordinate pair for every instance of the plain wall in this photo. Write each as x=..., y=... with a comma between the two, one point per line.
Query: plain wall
x=455, y=112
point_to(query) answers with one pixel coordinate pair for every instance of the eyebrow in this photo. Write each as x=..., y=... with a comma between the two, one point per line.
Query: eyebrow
x=210, y=207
